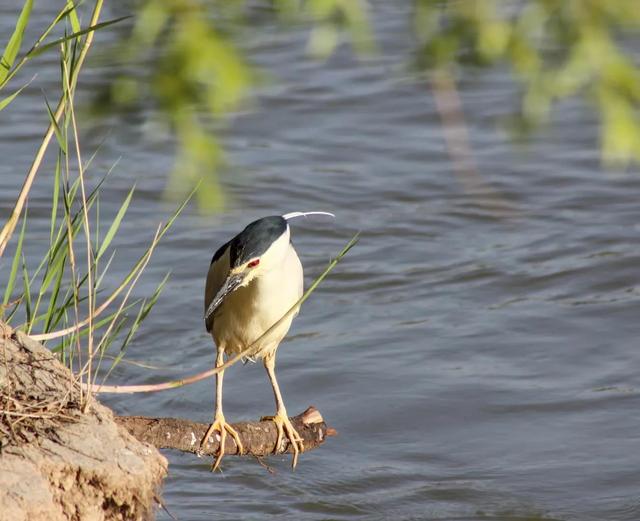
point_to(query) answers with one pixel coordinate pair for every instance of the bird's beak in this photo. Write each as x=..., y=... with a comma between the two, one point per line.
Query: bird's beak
x=232, y=283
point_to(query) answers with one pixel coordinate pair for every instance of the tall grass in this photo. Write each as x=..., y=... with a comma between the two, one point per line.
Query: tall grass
x=63, y=295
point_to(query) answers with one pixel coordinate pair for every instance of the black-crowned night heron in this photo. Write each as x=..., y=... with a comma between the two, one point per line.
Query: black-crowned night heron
x=253, y=281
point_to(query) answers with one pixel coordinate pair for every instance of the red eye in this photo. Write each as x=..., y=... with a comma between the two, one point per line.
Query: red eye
x=254, y=263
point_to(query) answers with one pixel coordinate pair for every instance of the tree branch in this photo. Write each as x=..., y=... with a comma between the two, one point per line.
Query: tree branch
x=258, y=438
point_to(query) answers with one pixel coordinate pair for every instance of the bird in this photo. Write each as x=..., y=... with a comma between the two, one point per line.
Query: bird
x=254, y=279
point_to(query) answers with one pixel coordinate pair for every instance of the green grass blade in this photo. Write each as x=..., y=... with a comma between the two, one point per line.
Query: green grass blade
x=11, y=97
x=62, y=14
x=58, y=251
x=73, y=16
x=68, y=198
x=61, y=312
x=56, y=128
x=39, y=50
x=56, y=199
x=52, y=266
x=53, y=300
x=68, y=302
x=142, y=259
x=27, y=292
x=14, y=264
x=13, y=46
x=178, y=211
x=108, y=339
x=104, y=270
x=43, y=316
x=113, y=229
x=106, y=320
x=143, y=313
x=96, y=232
x=13, y=311
x=56, y=265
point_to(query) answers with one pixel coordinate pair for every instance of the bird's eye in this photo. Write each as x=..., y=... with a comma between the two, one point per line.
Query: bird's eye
x=253, y=263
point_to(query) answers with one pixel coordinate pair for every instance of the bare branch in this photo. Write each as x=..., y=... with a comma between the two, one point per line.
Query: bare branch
x=258, y=438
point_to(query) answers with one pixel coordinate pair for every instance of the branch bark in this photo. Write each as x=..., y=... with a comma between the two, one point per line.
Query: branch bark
x=258, y=438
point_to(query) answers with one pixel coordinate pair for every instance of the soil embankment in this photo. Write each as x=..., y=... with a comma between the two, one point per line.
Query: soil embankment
x=57, y=463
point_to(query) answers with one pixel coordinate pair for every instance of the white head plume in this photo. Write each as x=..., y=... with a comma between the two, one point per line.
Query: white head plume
x=292, y=215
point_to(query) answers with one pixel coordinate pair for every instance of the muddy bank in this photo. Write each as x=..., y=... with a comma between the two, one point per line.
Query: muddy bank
x=57, y=463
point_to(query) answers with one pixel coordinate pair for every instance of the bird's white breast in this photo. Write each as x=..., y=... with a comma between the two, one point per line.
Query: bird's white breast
x=249, y=311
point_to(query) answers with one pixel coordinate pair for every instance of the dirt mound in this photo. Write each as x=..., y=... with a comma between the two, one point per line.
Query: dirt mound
x=58, y=463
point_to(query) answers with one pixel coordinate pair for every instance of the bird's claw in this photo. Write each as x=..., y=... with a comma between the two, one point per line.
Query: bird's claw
x=284, y=426
x=219, y=424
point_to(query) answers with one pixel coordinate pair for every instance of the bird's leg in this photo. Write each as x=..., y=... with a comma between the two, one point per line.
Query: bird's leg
x=219, y=423
x=281, y=419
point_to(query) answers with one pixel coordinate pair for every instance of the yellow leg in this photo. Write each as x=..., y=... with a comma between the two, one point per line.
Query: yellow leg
x=219, y=424
x=281, y=419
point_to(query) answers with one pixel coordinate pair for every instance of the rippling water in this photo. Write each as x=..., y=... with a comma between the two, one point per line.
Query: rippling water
x=478, y=364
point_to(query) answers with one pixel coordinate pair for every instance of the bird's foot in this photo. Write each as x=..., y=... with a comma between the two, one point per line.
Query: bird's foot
x=219, y=424
x=284, y=426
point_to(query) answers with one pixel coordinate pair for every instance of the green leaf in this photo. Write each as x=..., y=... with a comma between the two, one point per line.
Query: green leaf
x=56, y=128
x=113, y=229
x=13, y=46
x=178, y=211
x=53, y=300
x=56, y=265
x=54, y=203
x=15, y=263
x=27, y=291
x=11, y=97
x=105, y=270
x=73, y=16
x=39, y=50
x=144, y=311
x=61, y=15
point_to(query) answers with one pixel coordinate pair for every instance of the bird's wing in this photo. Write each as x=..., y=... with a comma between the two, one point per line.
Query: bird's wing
x=218, y=271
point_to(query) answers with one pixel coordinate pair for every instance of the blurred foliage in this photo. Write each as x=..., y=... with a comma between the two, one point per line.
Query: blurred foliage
x=555, y=49
x=185, y=58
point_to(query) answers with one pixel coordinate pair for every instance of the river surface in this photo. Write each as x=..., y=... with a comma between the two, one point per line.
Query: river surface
x=477, y=351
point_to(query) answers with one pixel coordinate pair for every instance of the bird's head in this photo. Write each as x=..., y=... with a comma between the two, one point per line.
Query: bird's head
x=256, y=250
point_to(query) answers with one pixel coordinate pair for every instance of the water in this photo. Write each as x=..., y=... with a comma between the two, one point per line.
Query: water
x=478, y=364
